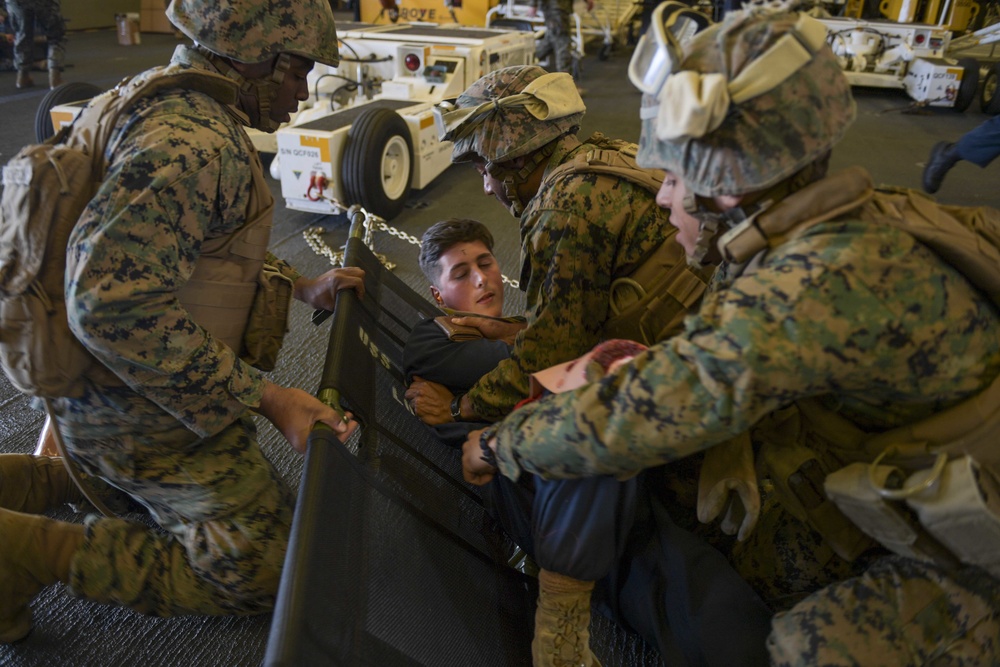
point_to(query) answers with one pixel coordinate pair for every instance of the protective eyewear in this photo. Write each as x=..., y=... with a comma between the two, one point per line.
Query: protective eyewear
x=659, y=51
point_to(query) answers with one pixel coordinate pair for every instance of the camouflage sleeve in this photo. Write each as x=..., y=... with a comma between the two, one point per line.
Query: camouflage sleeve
x=179, y=176
x=570, y=266
x=871, y=318
x=283, y=267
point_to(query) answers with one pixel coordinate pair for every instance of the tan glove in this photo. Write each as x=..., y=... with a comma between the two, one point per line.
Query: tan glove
x=727, y=487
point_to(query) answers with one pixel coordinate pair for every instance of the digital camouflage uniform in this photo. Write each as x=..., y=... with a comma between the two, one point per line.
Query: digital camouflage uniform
x=182, y=442
x=178, y=437
x=577, y=235
x=24, y=14
x=858, y=315
x=557, y=42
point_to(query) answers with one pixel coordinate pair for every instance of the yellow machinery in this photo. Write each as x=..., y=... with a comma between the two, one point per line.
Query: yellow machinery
x=954, y=15
x=463, y=12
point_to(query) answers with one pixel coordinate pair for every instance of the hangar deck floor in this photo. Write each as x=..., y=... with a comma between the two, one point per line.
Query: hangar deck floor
x=889, y=137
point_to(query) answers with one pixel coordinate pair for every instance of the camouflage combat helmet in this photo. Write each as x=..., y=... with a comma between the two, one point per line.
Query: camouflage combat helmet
x=517, y=117
x=784, y=103
x=252, y=31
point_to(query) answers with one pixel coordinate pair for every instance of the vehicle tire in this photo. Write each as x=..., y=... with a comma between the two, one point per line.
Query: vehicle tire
x=970, y=84
x=989, y=97
x=378, y=162
x=73, y=91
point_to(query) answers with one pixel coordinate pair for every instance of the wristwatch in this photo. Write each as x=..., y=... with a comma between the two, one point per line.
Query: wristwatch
x=456, y=408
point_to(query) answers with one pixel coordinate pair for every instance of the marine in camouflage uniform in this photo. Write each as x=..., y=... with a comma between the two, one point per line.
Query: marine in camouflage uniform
x=24, y=15
x=855, y=317
x=578, y=232
x=557, y=42
x=172, y=427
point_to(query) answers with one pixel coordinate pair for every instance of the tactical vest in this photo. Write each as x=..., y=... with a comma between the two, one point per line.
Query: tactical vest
x=221, y=291
x=229, y=276
x=649, y=303
x=927, y=490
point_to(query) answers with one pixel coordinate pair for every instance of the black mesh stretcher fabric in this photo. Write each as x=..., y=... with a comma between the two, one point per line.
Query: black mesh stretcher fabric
x=392, y=560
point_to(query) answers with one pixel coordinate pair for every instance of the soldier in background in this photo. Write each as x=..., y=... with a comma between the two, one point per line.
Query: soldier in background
x=980, y=146
x=47, y=15
x=832, y=330
x=556, y=44
x=581, y=231
x=163, y=269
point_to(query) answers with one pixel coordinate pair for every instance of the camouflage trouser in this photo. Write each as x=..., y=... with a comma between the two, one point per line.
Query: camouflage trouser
x=557, y=40
x=878, y=610
x=226, y=513
x=24, y=15
x=899, y=612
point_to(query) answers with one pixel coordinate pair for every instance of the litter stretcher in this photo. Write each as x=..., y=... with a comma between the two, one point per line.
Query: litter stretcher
x=393, y=559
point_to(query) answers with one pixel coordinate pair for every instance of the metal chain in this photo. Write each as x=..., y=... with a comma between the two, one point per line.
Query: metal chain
x=314, y=239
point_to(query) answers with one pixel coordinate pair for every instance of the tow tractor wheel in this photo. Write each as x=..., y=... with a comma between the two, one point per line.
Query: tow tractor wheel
x=970, y=83
x=989, y=98
x=74, y=91
x=378, y=162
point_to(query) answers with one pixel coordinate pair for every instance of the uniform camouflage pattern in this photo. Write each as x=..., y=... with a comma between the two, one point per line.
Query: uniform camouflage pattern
x=557, y=41
x=46, y=15
x=511, y=132
x=767, y=138
x=862, y=317
x=226, y=511
x=901, y=612
x=180, y=441
x=252, y=31
x=570, y=256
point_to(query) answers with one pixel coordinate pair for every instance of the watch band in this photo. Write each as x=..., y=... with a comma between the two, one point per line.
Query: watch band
x=456, y=408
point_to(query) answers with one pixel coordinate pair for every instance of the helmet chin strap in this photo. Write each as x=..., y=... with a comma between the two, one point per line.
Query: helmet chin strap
x=255, y=95
x=512, y=179
x=710, y=225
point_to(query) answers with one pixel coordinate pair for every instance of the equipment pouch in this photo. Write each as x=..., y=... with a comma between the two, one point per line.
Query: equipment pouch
x=268, y=322
x=37, y=350
x=962, y=510
x=650, y=304
x=798, y=474
x=860, y=491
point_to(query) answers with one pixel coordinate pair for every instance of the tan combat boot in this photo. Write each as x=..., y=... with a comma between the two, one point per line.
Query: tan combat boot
x=35, y=552
x=562, y=622
x=24, y=79
x=35, y=484
x=55, y=78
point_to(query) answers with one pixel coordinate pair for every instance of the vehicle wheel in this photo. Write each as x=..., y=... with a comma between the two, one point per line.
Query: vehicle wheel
x=970, y=83
x=74, y=91
x=989, y=98
x=378, y=162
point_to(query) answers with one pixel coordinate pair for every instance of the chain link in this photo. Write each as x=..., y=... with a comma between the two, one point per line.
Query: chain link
x=314, y=239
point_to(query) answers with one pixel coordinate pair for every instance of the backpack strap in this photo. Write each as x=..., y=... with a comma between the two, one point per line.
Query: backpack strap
x=93, y=127
x=650, y=302
x=610, y=162
x=821, y=201
x=966, y=238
